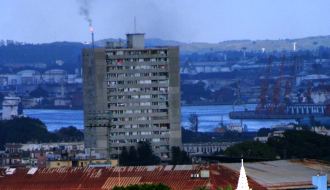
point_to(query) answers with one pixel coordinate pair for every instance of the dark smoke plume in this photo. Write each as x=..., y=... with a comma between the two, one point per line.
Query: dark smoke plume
x=84, y=10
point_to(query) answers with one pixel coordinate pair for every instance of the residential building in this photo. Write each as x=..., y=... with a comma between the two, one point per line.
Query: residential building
x=131, y=94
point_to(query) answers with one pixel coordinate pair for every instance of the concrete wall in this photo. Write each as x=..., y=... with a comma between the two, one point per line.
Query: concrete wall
x=174, y=97
x=96, y=120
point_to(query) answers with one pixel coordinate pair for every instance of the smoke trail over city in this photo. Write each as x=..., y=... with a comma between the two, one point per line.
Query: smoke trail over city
x=84, y=10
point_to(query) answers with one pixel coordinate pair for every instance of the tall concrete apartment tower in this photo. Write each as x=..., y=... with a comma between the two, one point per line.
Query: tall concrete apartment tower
x=131, y=94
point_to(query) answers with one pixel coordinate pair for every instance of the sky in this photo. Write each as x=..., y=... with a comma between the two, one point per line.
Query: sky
x=40, y=21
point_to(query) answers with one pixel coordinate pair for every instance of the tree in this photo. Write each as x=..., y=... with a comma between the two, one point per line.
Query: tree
x=145, y=154
x=23, y=130
x=124, y=157
x=179, y=156
x=69, y=134
x=228, y=187
x=251, y=149
x=39, y=92
x=132, y=157
x=263, y=132
x=141, y=156
x=301, y=144
x=202, y=188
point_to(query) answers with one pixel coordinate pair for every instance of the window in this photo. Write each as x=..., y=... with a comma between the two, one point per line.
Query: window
x=145, y=104
x=120, y=53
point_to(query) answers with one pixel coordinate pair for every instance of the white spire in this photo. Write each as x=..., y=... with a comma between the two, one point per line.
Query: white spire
x=242, y=180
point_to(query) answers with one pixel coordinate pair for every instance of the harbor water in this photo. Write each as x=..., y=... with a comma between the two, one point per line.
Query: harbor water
x=209, y=117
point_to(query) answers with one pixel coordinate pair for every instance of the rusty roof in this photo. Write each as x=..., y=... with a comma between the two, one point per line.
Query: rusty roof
x=176, y=177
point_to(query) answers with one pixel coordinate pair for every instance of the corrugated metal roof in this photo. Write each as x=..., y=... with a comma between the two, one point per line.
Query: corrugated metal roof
x=177, y=178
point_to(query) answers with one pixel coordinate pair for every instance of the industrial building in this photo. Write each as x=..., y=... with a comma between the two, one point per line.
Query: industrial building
x=131, y=94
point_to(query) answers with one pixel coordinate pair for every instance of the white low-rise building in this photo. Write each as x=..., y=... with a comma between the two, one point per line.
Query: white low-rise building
x=29, y=77
x=55, y=76
x=11, y=107
x=69, y=146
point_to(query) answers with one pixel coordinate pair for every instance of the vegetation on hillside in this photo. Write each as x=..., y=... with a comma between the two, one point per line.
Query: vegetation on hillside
x=251, y=149
x=293, y=145
x=69, y=134
x=24, y=130
x=301, y=144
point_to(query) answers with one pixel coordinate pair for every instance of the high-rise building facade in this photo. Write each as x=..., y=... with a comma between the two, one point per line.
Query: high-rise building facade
x=131, y=94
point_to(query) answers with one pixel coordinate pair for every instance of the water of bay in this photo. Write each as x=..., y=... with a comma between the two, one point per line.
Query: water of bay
x=209, y=117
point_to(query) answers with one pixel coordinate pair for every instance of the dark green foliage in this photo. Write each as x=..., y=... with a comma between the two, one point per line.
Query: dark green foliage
x=24, y=129
x=69, y=134
x=193, y=92
x=201, y=188
x=145, y=154
x=228, y=187
x=179, y=156
x=294, y=144
x=39, y=92
x=251, y=149
x=132, y=157
x=263, y=132
x=124, y=157
x=141, y=157
x=301, y=144
x=143, y=187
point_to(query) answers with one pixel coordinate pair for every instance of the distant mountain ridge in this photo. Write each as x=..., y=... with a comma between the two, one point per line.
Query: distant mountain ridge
x=23, y=56
x=308, y=43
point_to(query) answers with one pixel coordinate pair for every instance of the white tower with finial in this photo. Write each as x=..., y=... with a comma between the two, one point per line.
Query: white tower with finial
x=242, y=180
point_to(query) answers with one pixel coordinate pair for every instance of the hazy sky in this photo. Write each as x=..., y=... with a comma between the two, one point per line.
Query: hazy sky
x=184, y=20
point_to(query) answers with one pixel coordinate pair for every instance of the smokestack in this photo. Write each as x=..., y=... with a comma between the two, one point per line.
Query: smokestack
x=91, y=29
x=84, y=10
x=91, y=57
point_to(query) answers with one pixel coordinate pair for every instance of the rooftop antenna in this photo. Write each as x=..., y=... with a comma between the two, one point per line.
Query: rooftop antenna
x=134, y=24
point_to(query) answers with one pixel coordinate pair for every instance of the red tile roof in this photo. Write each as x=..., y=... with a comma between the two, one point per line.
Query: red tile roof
x=177, y=178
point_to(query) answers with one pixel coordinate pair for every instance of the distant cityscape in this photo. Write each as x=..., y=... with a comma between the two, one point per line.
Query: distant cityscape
x=132, y=95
